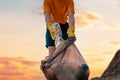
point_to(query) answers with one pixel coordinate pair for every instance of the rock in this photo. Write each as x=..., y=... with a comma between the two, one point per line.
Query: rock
x=96, y=78
x=113, y=70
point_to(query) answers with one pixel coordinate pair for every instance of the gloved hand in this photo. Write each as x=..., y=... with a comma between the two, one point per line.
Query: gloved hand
x=71, y=32
x=51, y=29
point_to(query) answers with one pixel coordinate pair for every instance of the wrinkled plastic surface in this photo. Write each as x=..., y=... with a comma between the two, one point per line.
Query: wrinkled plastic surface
x=66, y=63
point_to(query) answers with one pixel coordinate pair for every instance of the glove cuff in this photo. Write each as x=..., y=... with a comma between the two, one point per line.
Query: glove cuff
x=71, y=31
x=49, y=25
x=51, y=30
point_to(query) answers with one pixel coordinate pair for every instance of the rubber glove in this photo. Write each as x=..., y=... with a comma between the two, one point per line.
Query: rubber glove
x=71, y=31
x=51, y=29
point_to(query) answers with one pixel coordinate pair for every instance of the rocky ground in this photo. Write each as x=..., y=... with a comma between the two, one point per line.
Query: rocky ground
x=113, y=70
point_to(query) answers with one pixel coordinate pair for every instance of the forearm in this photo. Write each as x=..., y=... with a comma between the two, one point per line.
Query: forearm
x=71, y=19
x=71, y=28
x=49, y=25
x=47, y=17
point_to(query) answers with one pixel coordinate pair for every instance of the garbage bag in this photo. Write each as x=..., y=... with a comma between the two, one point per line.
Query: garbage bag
x=66, y=63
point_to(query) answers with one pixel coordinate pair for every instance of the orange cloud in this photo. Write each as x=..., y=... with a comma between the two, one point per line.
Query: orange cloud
x=114, y=42
x=103, y=26
x=19, y=69
x=96, y=60
x=114, y=26
x=84, y=18
x=107, y=53
x=90, y=16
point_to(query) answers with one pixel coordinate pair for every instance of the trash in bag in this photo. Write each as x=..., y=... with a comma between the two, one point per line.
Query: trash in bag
x=66, y=63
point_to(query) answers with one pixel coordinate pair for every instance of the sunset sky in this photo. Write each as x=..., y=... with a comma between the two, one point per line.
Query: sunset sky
x=22, y=36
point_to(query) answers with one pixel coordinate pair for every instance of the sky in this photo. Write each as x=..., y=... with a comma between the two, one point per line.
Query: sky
x=22, y=36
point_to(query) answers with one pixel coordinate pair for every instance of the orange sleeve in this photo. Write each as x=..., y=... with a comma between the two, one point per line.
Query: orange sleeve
x=70, y=6
x=46, y=6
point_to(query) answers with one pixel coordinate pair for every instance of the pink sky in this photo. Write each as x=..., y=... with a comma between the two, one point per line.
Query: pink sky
x=22, y=36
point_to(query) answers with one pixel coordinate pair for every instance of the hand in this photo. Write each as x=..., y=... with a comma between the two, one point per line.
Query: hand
x=70, y=41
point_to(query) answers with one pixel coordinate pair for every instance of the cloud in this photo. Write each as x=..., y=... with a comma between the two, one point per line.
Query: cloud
x=100, y=24
x=107, y=52
x=19, y=68
x=114, y=26
x=89, y=15
x=96, y=60
x=85, y=18
x=114, y=42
